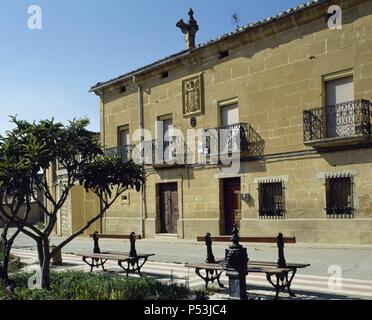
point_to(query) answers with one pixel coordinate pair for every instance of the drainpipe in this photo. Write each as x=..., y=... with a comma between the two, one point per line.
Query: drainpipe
x=141, y=126
x=103, y=139
x=182, y=217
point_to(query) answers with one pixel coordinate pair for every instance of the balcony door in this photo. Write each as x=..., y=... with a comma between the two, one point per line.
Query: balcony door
x=229, y=117
x=166, y=126
x=123, y=136
x=123, y=142
x=340, y=112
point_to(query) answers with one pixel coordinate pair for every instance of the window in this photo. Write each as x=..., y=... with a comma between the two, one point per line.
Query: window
x=166, y=134
x=340, y=110
x=229, y=114
x=229, y=120
x=339, y=196
x=123, y=142
x=339, y=91
x=123, y=136
x=59, y=165
x=223, y=54
x=271, y=199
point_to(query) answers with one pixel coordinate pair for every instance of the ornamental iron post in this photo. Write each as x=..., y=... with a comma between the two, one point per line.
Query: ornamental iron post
x=132, y=239
x=281, y=259
x=208, y=243
x=236, y=263
x=96, y=248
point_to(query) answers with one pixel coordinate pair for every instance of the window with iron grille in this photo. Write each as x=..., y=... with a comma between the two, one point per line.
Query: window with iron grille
x=271, y=199
x=339, y=196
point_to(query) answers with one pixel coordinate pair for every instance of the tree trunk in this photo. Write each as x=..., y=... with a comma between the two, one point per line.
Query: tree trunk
x=6, y=248
x=45, y=268
x=5, y=264
x=40, y=252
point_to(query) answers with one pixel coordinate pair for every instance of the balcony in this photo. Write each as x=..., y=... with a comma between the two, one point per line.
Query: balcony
x=126, y=152
x=238, y=139
x=159, y=153
x=332, y=126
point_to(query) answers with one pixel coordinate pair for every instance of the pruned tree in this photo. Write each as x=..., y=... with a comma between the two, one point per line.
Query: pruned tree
x=80, y=153
x=15, y=192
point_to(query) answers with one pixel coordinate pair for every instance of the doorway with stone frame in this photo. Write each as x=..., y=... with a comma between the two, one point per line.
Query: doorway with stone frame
x=168, y=208
x=231, y=198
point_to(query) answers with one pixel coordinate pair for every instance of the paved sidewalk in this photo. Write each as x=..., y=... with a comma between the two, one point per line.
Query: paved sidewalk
x=306, y=287
x=355, y=261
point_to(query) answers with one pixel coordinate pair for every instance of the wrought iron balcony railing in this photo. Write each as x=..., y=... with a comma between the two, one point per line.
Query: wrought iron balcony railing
x=126, y=152
x=347, y=119
x=159, y=152
x=238, y=138
x=153, y=152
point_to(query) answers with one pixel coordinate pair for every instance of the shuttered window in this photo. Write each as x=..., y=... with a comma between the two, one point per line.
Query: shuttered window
x=229, y=115
x=271, y=199
x=339, y=196
x=339, y=91
x=123, y=136
x=340, y=111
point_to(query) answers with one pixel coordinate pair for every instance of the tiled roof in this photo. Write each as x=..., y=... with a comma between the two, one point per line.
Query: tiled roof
x=242, y=29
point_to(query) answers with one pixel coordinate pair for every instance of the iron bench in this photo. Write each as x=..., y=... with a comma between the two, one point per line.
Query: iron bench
x=283, y=272
x=213, y=272
x=130, y=262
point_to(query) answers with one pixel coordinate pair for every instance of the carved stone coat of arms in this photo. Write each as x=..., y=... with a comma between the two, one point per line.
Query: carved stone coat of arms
x=192, y=95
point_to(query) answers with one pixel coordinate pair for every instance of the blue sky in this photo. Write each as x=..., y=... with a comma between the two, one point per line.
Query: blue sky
x=47, y=73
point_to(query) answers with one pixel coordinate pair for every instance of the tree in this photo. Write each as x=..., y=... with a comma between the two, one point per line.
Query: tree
x=80, y=153
x=15, y=192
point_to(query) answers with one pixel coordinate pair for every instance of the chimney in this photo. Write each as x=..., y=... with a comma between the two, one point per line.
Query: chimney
x=189, y=29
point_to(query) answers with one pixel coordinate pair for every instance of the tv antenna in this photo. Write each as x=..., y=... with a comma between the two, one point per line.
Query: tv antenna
x=236, y=19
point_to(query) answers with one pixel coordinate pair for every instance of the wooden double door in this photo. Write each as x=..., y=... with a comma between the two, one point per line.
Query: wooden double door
x=168, y=207
x=232, y=204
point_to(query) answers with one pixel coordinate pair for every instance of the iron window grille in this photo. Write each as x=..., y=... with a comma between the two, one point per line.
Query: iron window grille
x=271, y=199
x=339, y=198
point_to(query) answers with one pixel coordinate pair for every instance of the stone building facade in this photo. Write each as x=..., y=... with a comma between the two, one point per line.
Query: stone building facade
x=298, y=94
x=79, y=207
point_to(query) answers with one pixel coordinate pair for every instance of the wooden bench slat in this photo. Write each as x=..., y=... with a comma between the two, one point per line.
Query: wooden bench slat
x=254, y=269
x=118, y=257
x=209, y=266
x=115, y=236
x=249, y=239
x=125, y=253
x=289, y=264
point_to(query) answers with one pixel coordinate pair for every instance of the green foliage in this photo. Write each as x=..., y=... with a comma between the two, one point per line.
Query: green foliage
x=15, y=263
x=30, y=148
x=97, y=286
x=105, y=172
x=202, y=294
x=40, y=144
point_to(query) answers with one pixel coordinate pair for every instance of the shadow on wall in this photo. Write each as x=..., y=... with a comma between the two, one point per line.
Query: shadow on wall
x=348, y=157
x=35, y=216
